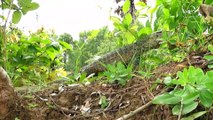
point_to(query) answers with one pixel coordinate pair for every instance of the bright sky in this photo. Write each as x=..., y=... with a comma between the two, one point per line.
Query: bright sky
x=70, y=16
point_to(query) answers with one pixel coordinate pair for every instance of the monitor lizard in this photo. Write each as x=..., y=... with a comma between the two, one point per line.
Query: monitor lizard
x=123, y=54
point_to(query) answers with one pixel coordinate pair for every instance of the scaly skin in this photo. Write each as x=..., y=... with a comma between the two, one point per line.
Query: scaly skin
x=123, y=54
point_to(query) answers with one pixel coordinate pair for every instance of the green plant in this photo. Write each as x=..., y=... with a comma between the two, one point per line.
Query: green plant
x=35, y=59
x=193, y=87
x=130, y=28
x=32, y=105
x=210, y=57
x=103, y=102
x=118, y=73
x=17, y=8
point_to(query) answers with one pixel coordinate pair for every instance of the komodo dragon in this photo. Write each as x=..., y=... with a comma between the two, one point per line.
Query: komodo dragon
x=123, y=54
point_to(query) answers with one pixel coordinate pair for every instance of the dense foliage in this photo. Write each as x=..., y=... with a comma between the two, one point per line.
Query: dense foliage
x=44, y=56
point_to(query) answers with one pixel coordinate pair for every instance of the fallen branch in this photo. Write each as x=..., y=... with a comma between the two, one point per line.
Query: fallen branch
x=132, y=113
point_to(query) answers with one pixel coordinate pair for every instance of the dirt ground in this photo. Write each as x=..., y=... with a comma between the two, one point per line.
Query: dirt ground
x=81, y=102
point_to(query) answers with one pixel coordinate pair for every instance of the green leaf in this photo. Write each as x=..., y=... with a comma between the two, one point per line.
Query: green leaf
x=126, y=6
x=119, y=26
x=208, y=57
x=51, y=54
x=103, y=102
x=8, y=1
x=166, y=13
x=23, y=3
x=166, y=98
x=24, y=10
x=16, y=17
x=130, y=37
x=209, y=2
x=187, y=108
x=195, y=115
x=32, y=48
x=209, y=81
x=144, y=31
x=209, y=75
x=33, y=6
x=65, y=45
x=210, y=47
x=206, y=98
x=127, y=20
x=190, y=98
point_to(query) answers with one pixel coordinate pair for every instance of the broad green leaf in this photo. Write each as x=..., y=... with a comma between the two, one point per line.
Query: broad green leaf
x=93, y=34
x=209, y=2
x=127, y=20
x=44, y=60
x=130, y=37
x=179, y=92
x=119, y=26
x=208, y=57
x=166, y=26
x=209, y=81
x=195, y=75
x=32, y=49
x=24, y=3
x=166, y=13
x=190, y=98
x=24, y=10
x=195, y=115
x=176, y=109
x=206, y=98
x=51, y=54
x=65, y=45
x=166, y=98
x=209, y=74
x=29, y=7
x=210, y=47
x=159, y=12
x=16, y=17
x=33, y=6
x=144, y=31
x=126, y=6
x=187, y=108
